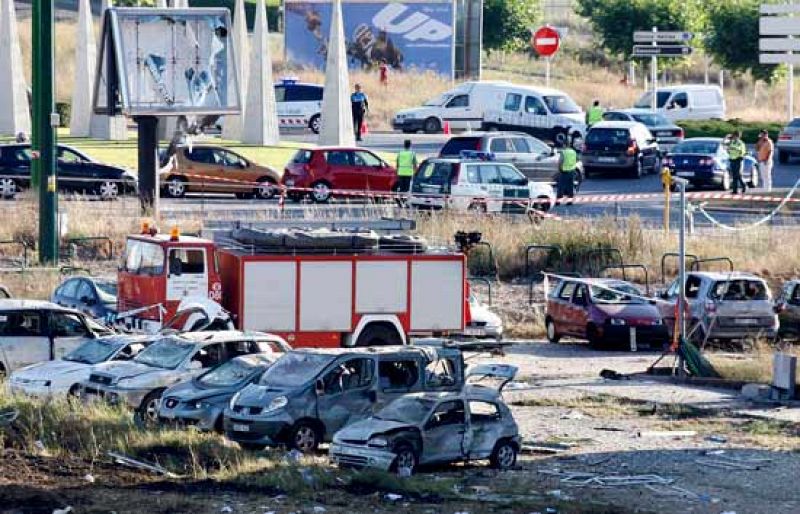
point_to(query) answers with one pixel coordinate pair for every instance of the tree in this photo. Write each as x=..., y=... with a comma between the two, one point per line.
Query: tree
x=615, y=21
x=732, y=38
x=507, y=24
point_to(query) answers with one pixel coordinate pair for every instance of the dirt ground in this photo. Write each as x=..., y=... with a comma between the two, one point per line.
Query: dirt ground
x=584, y=438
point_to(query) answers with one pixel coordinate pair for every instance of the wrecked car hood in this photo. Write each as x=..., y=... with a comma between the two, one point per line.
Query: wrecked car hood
x=130, y=370
x=256, y=395
x=366, y=428
x=47, y=370
x=188, y=391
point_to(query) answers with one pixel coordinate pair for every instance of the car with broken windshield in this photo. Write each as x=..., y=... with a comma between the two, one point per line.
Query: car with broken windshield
x=140, y=382
x=606, y=312
x=434, y=428
x=201, y=401
x=309, y=394
x=63, y=376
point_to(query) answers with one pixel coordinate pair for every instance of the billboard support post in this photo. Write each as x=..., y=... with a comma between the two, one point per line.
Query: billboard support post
x=147, y=155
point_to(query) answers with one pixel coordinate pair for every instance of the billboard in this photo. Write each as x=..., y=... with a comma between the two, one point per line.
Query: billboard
x=166, y=62
x=406, y=35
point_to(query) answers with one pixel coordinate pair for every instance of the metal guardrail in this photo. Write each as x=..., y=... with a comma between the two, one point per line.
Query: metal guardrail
x=485, y=281
x=491, y=270
x=601, y=256
x=20, y=244
x=696, y=264
x=551, y=249
x=70, y=250
x=690, y=256
x=623, y=267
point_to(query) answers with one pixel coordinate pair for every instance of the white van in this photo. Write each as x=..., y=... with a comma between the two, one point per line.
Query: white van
x=299, y=105
x=497, y=105
x=686, y=102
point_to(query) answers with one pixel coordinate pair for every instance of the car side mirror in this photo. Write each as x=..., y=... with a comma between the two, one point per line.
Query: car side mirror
x=319, y=387
x=195, y=365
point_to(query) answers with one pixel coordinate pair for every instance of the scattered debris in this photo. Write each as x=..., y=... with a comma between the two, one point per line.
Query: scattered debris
x=319, y=508
x=293, y=456
x=404, y=472
x=610, y=374
x=480, y=489
x=733, y=463
x=573, y=414
x=393, y=497
x=609, y=429
x=668, y=433
x=308, y=476
x=717, y=439
x=584, y=479
x=543, y=447
x=226, y=509
x=89, y=478
x=65, y=510
x=133, y=463
x=518, y=386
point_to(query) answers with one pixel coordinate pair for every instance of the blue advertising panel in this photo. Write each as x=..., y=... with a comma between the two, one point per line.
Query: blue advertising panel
x=404, y=35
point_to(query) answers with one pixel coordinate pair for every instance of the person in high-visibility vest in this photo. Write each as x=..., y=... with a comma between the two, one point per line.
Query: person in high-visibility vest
x=736, y=151
x=406, y=166
x=594, y=114
x=567, y=165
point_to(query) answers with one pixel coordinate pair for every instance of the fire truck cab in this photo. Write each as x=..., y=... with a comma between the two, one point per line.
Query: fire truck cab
x=316, y=293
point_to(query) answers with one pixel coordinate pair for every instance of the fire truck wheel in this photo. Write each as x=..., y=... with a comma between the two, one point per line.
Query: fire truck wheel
x=379, y=334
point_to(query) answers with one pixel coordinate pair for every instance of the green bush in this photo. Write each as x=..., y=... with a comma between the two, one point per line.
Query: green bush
x=64, y=110
x=721, y=128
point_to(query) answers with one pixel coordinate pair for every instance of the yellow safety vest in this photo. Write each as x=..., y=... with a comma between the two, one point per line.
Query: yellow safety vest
x=570, y=160
x=595, y=115
x=405, y=163
x=736, y=149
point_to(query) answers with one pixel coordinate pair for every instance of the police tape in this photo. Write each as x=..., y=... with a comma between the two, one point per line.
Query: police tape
x=756, y=223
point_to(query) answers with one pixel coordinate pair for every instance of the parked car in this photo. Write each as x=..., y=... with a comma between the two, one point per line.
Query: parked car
x=214, y=169
x=666, y=132
x=603, y=311
x=201, y=401
x=140, y=382
x=76, y=171
x=788, y=144
x=483, y=322
x=434, y=428
x=723, y=306
x=477, y=184
x=620, y=146
x=62, y=377
x=686, y=102
x=703, y=161
x=536, y=160
x=326, y=169
x=545, y=113
x=299, y=104
x=94, y=296
x=787, y=305
x=309, y=394
x=33, y=331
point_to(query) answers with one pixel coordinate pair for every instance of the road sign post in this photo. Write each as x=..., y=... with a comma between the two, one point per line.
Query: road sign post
x=677, y=46
x=654, y=71
x=546, y=41
x=780, y=23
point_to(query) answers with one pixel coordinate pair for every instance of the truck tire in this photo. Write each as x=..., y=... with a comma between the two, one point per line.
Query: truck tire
x=432, y=126
x=379, y=334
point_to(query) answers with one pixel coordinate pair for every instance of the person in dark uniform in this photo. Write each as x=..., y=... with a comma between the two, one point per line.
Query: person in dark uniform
x=360, y=106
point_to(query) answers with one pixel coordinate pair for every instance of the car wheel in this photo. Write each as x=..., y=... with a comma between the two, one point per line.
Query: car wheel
x=579, y=177
x=8, y=188
x=315, y=123
x=754, y=176
x=432, y=126
x=783, y=157
x=320, y=192
x=587, y=172
x=378, y=335
x=726, y=181
x=406, y=461
x=176, y=187
x=265, y=190
x=304, y=438
x=543, y=203
x=108, y=190
x=637, y=171
x=74, y=391
x=595, y=342
x=147, y=413
x=504, y=455
x=550, y=329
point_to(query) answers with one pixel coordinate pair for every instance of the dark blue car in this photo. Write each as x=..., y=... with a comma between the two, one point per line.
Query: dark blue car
x=96, y=297
x=703, y=161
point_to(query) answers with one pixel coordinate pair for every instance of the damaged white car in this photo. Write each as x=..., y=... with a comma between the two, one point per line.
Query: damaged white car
x=427, y=428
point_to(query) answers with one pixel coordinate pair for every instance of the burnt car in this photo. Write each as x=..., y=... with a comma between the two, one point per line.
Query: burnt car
x=606, y=312
x=200, y=401
x=435, y=428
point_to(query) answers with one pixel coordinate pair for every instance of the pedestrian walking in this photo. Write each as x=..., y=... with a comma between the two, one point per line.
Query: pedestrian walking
x=384, y=74
x=765, y=150
x=567, y=165
x=736, y=151
x=406, y=166
x=359, y=104
x=594, y=114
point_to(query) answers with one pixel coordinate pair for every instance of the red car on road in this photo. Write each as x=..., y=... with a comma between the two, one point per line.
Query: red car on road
x=324, y=170
x=600, y=311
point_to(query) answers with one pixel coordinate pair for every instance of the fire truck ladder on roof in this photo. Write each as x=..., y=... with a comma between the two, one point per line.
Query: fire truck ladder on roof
x=378, y=225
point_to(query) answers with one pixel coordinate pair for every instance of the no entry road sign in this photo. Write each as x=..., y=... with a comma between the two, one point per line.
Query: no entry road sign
x=545, y=41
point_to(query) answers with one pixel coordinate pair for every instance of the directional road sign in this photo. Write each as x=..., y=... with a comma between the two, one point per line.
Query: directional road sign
x=647, y=36
x=661, y=51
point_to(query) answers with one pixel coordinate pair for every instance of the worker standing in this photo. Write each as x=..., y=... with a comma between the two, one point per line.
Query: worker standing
x=736, y=151
x=384, y=74
x=567, y=165
x=594, y=114
x=406, y=166
x=765, y=150
x=359, y=103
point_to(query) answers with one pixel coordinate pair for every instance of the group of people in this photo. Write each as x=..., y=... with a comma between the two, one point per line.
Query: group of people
x=736, y=148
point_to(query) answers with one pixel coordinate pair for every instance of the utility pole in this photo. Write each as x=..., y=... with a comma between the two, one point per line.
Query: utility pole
x=45, y=120
x=654, y=71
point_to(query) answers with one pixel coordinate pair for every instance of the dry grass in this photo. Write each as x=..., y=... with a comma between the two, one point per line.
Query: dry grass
x=755, y=366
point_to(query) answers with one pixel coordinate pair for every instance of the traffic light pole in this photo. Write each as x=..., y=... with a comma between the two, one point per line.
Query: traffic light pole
x=45, y=123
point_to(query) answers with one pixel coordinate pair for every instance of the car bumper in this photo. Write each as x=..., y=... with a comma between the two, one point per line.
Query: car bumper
x=347, y=455
x=788, y=146
x=742, y=332
x=32, y=390
x=700, y=176
x=406, y=124
x=203, y=419
x=113, y=395
x=427, y=202
x=271, y=432
x=486, y=331
x=601, y=163
x=645, y=335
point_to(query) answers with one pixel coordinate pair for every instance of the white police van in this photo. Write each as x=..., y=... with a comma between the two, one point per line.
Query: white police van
x=299, y=105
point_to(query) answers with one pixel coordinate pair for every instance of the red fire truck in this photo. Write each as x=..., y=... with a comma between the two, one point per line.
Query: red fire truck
x=315, y=288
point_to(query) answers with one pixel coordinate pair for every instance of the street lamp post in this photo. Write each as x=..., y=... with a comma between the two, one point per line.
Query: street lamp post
x=681, y=183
